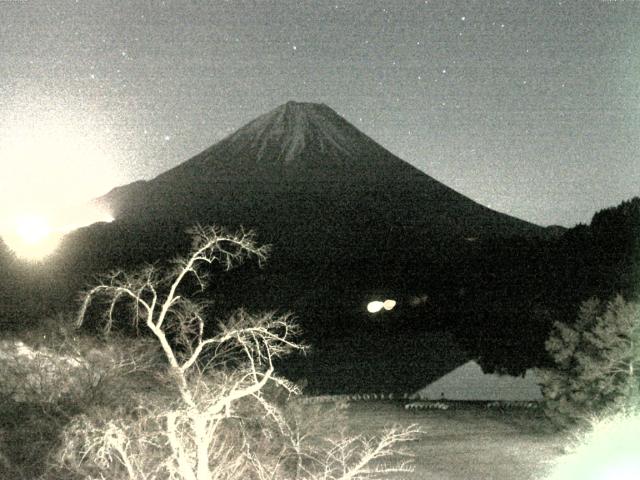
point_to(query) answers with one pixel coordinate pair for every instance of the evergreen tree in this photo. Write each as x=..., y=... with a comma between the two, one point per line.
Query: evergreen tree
x=597, y=361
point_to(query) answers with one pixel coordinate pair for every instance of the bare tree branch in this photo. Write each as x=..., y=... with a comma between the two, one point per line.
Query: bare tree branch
x=212, y=379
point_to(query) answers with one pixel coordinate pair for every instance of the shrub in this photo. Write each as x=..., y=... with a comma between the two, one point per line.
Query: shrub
x=51, y=374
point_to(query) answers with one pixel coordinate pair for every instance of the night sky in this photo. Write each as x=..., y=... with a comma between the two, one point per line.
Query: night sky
x=528, y=107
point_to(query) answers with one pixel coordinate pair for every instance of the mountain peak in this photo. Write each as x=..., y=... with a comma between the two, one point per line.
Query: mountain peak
x=307, y=108
x=301, y=114
x=303, y=105
x=296, y=142
x=297, y=133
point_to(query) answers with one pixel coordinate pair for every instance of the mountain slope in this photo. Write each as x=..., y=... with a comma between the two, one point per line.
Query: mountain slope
x=304, y=164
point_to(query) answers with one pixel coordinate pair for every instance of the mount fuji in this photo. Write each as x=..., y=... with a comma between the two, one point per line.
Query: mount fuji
x=303, y=168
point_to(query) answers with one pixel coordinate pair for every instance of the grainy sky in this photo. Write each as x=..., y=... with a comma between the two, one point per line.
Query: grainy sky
x=529, y=107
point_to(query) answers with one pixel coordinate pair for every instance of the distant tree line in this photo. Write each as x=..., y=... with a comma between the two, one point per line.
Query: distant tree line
x=517, y=288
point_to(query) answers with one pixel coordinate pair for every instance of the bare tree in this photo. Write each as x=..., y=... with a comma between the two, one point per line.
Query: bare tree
x=187, y=436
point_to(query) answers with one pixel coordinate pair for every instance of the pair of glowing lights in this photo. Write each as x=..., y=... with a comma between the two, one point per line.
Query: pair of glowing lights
x=377, y=305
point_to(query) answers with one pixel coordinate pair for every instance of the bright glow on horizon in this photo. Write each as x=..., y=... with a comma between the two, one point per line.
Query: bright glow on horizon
x=52, y=167
x=80, y=216
x=30, y=236
x=52, y=157
x=32, y=229
x=34, y=236
x=53, y=160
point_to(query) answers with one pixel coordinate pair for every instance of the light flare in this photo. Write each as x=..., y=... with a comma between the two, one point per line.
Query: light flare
x=34, y=236
x=389, y=304
x=32, y=229
x=30, y=236
x=52, y=162
x=377, y=305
